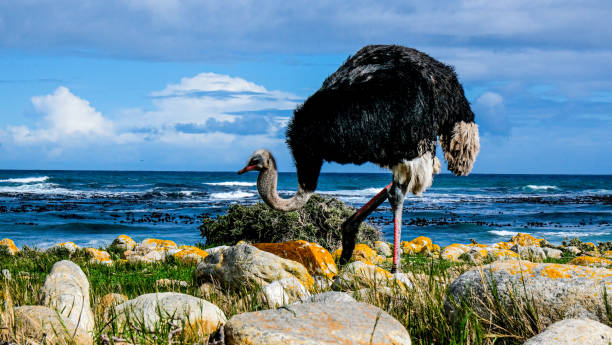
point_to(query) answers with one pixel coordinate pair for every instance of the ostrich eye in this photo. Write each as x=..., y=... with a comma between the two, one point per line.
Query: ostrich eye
x=256, y=161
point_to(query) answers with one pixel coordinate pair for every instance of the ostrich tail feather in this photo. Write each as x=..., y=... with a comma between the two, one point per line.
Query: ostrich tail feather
x=461, y=149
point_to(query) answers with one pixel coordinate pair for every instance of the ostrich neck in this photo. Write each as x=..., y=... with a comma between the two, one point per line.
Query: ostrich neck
x=266, y=185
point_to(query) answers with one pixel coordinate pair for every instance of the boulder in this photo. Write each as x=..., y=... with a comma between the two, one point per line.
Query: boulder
x=329, y=297
x=244, y=264
x=6, y=274
x=32, y=322
x=418, y=245
x=590, y=261
x=573, y=250
x=70, y=246
x=216, y=249
x=454, y=251
x=196, y=316
x=154, y=243
x=9, y=245
x=97, y=256
x=526, y=240
x=317, y=323
x=556, y=291
x=190, y=255
x=362, y=252
x=383, y=248
x=477, y=255
x=142, y=257
x=501, y=254
x=573, y=332
x=358, y=275
x=123, y=243
x=284, y=291
x=532, y=253
x=317, y=260
x=66, y=289
x=553, y=253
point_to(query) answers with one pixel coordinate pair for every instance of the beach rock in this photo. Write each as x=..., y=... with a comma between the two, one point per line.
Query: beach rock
x=317, y=323
x=214, y=250
x=97, y=256
x=32, y=322
x=495, y=254
x=357, y=275
x=284, y=291
x=149, y=257
x=362, y=252
x=453, y=252
x=590, y=261
x=553, y=253
x=417, y=245
x=532, y=253
x=557, y=291
x=70, y=246
x=573, y=332
x=526, y=240
x=573, y=250
x=6, y=274
x=9, y=245
x=317, y=260
x=477, y=255
x=150, y=311
x=383, y=248
x=67, y=290
x=154, y=243
x=330, y=297
x=245, y=264
x=190, y=255
x=503, y=245
x=123, y=243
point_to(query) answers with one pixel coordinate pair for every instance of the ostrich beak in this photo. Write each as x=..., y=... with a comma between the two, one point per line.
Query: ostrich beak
x=247, y=168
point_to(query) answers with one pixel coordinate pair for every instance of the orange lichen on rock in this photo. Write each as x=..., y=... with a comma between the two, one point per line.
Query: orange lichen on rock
x=98, y=256
x=362, y=252
x=549, y=270
x=71, y=246
x=590, y=261
x=317, y=260
x=156, y=243
x=10, y=245
x=526, y=240
x=190, y=255
x=500, y=253
x=503, y=245
x=418, y=245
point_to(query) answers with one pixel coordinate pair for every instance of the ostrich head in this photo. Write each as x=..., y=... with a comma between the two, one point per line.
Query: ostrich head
x=260, y=160
x=461, y=146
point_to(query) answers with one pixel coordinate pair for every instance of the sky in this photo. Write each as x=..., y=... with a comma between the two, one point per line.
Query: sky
x=199, y=85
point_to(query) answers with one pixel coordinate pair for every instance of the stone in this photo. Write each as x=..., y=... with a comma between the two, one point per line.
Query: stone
x=477, y=255
x=362, y=252
x=357, y=275
x=503, y=245
x=140, y=257
x=196, y=316
x=329, y=297
x=501, y=254
x=317, y=260
x=383, y=248
x=124, y=242
x=453, y=252
x=417, y=245
x=9, y=245
x=573, y=250
x=154, y=243
x=573, y=332
x=97, y=256
x=320, y=323
x=6, y=274
x=213, y=250
x=526, y=240
x=170, y=283
x=558, y=291
x=284, y=291
x=590, y=261
x=70, y=246
x=31, y=322
x=244, y=264
x=553, y=253
x=190, y=255
x=607, y=254
x=107, y=302
x=532, y=253
x=66, y=289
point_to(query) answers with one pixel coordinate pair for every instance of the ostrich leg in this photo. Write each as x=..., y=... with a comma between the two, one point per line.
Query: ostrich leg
x=350, y=227
x=396, y=198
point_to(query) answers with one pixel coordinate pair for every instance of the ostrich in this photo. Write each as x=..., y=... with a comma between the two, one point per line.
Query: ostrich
x=387, y=105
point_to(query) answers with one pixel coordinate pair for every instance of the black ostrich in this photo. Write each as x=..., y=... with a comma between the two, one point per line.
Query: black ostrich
x=388, y=105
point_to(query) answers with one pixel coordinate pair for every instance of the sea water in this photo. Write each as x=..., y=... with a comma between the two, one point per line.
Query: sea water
x=41, y=208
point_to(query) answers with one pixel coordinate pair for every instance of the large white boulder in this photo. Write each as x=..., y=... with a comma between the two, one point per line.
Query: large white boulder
x=284, y=291
x=32, y=322
x=573, y=332
x=66, y=289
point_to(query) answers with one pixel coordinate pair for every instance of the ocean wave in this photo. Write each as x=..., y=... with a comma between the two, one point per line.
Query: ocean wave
x=503, y=232
x=38, y=188
x=231, y=195
x=26, y=179
x=232, y=184
x=187, y=192
x=573, y=233
x=541, y=187
x=352, y=192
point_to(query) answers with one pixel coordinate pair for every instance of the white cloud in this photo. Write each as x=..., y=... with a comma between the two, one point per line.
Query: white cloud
x=207, y=82
x=491, y=114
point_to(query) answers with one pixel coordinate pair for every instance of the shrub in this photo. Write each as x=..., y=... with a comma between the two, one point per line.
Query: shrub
x=318, y=221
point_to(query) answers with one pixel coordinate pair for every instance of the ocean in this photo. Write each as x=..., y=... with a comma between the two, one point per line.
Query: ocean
x=91, y=208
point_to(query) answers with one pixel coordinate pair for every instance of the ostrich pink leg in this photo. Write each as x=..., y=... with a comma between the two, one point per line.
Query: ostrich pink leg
x=396, y=198
x=350, y=227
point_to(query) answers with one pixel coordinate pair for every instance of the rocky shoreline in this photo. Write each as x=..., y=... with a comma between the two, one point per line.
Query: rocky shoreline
x=294, y=293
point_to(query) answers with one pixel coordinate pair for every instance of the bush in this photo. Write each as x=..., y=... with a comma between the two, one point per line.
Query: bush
x=318, y=221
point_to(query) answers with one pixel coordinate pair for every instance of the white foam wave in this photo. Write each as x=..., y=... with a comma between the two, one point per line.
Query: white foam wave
x=541, y=187
x=503, y=232
x=356, y=192
x=231, y=195
x=186, y=192
x=232, y=184
x=38, y=188
x=26, y=179
x=574, y=233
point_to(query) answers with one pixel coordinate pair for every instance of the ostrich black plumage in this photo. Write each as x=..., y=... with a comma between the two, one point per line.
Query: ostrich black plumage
x=387, y=105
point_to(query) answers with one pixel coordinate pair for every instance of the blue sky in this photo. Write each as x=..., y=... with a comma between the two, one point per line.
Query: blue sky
x=199, y=85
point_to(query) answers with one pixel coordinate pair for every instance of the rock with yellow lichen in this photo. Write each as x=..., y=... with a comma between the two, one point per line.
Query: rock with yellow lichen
x=573, y=332
x=501, y=254
x=151, y=312
x=532, y=253
x=190, y=255
x=453, y=251
x=9, y=245
x=97, y=256
x=590, y=261
x=553, y=291
x=317, y=260
x=420, y=244
x=362, y=252
x=317, y=323
x=123, y=243
x=155, y=244
x=526, y=240
x=244, y=264
x=358, y=275
x=383, y=248
x=70, y=246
